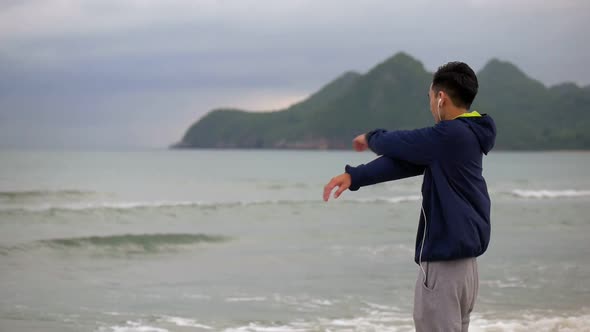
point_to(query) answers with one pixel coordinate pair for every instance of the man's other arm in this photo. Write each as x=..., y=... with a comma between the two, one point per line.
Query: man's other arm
x=379, y=170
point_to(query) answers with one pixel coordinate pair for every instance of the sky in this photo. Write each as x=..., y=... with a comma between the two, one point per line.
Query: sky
x=137, y=73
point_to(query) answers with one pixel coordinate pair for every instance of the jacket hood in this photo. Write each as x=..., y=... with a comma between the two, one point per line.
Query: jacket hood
x=484, y=129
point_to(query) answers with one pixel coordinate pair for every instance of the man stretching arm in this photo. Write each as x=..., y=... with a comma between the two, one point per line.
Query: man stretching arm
x=454, y=226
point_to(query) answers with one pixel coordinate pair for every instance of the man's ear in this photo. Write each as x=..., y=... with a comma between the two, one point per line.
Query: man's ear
x=441, y=96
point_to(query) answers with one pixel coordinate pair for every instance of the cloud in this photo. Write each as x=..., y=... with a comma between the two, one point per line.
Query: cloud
x=96, y=63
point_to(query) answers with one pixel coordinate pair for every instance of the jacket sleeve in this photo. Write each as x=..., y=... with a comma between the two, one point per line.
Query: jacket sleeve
x=418, y=146
x=379, y=170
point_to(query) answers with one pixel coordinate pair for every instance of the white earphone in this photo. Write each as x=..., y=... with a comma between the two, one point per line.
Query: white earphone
x=438, y=109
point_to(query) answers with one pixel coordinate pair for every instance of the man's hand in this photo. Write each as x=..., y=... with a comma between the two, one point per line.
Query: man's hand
x=341, y=181
x=359, y=143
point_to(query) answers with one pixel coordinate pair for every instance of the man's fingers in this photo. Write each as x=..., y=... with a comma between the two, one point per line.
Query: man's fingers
x=341, y=188
x=339, y=182
x=328, y=189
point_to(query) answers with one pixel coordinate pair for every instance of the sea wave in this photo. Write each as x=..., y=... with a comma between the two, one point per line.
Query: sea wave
x=540, y=323
x=393, y=199
x=132, y=326
x=383, y=251
x=122, y=243
x=127, y=206
x=372, y=320
x=184, y=322
x=525, y=193
x=245, y=299
x=92, y=206
x=172, y=206
x=36, y=194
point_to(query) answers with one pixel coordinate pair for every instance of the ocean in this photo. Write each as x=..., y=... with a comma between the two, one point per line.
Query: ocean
x=241, y=240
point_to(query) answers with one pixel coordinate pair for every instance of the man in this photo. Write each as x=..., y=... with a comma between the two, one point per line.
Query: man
x=454, y=225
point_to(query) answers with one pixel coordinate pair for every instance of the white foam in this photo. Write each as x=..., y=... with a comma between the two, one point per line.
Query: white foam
x=373, y=252
x=246, y=299
x=549, y=193
x=197, y=296
x=384, y=318
x=313, y=304
x=179, y=321
x=397, y=321
x=132, y=326
x=381, y=306
x=101, y=205
x=81, y=206
x=255, y=327
x=393, y=200
x=386, y=250
x=511, y=283
x=115, y=205
x=537, y=323
x=286, y=299
x=322, y=302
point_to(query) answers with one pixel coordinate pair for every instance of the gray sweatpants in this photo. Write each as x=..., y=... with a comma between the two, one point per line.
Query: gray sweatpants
x=444, y=298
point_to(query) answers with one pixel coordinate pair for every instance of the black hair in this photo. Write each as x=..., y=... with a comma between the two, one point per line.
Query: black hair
x=457, y=80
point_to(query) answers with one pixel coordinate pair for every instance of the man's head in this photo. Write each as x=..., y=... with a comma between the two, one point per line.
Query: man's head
x=452, y=91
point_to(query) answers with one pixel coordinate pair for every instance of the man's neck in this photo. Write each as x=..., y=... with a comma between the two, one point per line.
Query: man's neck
x=454, y=112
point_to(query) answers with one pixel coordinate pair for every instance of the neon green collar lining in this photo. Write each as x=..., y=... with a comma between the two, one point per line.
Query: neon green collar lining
x=468, y=115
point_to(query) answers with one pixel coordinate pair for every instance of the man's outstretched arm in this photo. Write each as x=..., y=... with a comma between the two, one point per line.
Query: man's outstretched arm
x=418, y=146
x=379, y=170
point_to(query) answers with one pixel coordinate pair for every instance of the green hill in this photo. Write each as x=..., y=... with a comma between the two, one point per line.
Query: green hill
x=393, y=95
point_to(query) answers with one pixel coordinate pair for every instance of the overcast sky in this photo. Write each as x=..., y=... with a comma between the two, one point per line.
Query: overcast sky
x=137, y=73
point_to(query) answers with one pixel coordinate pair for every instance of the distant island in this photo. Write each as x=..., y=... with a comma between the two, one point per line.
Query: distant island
x=393, y=95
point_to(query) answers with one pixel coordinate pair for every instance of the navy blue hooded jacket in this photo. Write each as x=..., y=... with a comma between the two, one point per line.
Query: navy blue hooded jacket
x=455, y=200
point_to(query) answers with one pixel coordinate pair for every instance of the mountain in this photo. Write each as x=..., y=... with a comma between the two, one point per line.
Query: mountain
x=393, y=95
